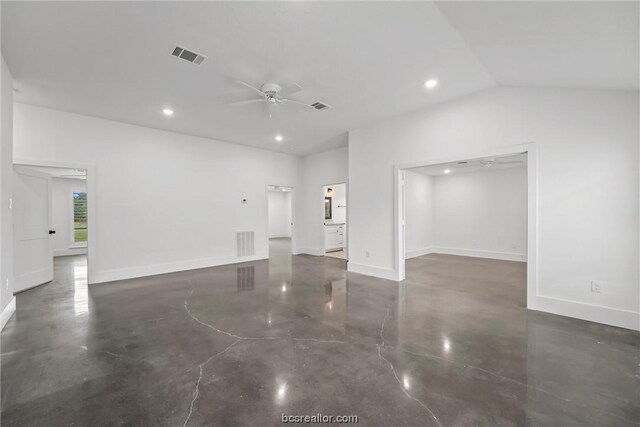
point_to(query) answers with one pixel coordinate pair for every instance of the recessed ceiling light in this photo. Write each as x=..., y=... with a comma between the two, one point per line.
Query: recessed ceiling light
x=431, y=83
x=167, y=111
x=447, y=171
x=279, y=138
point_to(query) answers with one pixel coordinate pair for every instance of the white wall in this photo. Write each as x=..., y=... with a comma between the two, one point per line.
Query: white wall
x=318, y=170
x=482, y=214
x=7, y=302
x=279, y=213
x=588, y=186
x=62, y=215
x=419, y=235
x=157, y=198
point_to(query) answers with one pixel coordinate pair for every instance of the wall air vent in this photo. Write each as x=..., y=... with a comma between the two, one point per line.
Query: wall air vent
x=319, y=106
x=188, y=55
x=245, y=243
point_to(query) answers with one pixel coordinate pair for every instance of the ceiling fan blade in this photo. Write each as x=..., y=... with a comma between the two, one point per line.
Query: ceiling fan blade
x=255, y=89
x=249, y=101
x=289, y=90
x=285, y=100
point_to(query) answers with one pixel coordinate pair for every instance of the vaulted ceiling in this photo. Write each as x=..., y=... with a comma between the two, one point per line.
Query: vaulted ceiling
x=368, y=60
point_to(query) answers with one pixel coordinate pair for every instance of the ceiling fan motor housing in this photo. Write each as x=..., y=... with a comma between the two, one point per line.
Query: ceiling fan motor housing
x=270, y=89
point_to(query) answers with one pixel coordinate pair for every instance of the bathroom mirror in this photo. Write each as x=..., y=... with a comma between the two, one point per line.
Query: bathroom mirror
x=327, y=208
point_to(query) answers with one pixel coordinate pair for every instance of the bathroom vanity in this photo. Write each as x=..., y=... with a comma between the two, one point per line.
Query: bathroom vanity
x=334, y=236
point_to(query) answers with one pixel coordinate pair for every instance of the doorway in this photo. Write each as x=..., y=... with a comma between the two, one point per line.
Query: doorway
x=335, y=230
x=50, y=224
x=279, y=219
x=522, y=249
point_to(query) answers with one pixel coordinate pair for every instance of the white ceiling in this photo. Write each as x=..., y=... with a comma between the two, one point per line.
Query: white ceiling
x=586, y=44
x=474, y=165
x=367, y=60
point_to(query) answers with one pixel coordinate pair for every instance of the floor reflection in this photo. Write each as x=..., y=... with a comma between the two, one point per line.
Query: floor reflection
x=81, y=292
x=451, y=345
x=246, y=278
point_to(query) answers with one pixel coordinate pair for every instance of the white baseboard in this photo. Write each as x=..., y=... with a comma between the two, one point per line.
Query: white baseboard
x=418, y=252
x=369, y=270
x=311, y=251
x=279, y=236
x=506, y=256
x=591, y=312
x=70, y=251
x=7, y=313
x=152, y=270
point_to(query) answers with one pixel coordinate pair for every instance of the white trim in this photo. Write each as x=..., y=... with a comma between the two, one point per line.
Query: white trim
x=532, y=208
x=310, y=251
x=155, y=269
x=33, y=279
x=606, y=315
x=293, y=235
x=7, y=312
x=323, y=250
x=506, y=256
x=591, y=312
x=418, y=252
x=369, y=270
x=71, y=251
x=92, y=236
x=280, y=236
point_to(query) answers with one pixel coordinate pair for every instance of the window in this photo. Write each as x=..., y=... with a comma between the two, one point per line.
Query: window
x=79, y=217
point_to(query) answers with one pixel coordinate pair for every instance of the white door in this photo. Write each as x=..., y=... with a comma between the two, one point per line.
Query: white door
x=33, y=249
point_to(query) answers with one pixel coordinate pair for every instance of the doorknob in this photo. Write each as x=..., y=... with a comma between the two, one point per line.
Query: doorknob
x=52, y=231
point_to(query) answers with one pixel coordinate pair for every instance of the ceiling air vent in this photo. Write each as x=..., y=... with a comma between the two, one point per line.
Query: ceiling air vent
x=319, y=106
x=188, y=55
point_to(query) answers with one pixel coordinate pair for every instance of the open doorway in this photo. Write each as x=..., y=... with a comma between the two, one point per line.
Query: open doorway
x=279, y=219
x=335, y=220
x=50, y=225
x=466, y=226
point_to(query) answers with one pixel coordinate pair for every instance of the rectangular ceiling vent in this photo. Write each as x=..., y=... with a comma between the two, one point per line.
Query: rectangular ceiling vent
x=245, y=243
x=188, y=55
x=319, y=106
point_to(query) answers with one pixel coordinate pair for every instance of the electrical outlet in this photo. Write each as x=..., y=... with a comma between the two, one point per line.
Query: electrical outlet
x=513, y=246
x=368, y=254
x=243, y=200
x=596, y=287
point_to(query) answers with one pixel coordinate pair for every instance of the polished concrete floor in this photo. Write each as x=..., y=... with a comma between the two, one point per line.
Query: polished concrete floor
x=337, y=254
x=243, y=344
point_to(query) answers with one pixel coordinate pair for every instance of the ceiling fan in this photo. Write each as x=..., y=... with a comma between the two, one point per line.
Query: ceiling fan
x=273, y=94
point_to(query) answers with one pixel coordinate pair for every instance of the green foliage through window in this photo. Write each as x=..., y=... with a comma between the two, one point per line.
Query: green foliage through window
x=79, y=217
